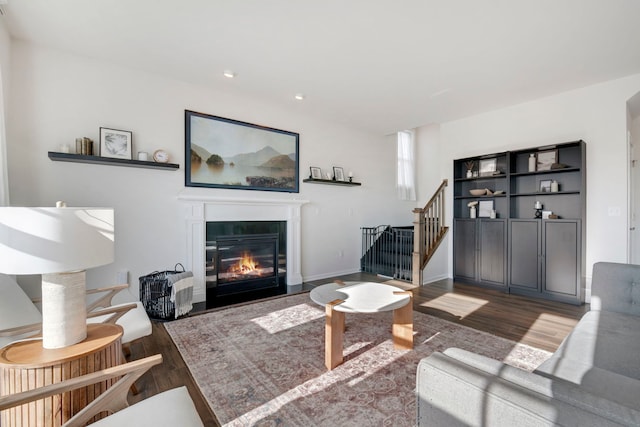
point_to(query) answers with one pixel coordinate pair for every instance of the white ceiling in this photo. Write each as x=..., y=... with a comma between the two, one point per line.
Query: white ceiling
x=378, y=65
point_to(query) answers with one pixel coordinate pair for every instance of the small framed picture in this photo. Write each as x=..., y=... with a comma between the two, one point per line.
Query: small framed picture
x=338, y=173
x=316, y=173
x=546, y=214
x=487, y=166
x=545, y=186
x=484, y=208
x=546, y=159
x=115, y=143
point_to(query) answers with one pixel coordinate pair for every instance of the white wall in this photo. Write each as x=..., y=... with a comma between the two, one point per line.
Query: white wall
x=5, y=68
x=596, y=114
x=59, y=96
x=428, y=159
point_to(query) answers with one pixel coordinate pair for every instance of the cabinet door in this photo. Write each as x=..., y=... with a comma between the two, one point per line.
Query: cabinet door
x=492, y=247
x=464, y=249
x=525, y=253
x=561, y=266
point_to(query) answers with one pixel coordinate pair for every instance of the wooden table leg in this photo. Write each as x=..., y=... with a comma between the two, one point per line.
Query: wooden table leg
x=333, y=335
x=403, y=325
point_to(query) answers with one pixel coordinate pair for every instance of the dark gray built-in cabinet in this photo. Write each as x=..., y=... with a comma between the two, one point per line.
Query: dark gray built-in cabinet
x=515, y=251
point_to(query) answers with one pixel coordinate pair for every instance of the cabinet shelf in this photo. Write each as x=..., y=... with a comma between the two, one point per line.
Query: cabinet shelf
x=481, y=178
x=330, y=182
x=480, y=197
x=81, y=158
x=562, y=170
x=545, y=193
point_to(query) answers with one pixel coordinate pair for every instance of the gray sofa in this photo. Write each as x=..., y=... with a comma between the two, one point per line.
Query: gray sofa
x=593, y=379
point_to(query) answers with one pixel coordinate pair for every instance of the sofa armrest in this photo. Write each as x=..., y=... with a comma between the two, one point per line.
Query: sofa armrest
x=461, y=388
x=616, y=287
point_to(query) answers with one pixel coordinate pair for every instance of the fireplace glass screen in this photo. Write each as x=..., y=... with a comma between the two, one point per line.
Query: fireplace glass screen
x=241, y=263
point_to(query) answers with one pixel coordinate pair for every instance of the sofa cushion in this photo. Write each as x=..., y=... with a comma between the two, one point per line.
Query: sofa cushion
x=602, y=339
x=616, y=287
x=460, y=388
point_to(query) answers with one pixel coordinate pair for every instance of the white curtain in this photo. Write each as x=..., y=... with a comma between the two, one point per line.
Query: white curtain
x=4, y=173
x=406, y=181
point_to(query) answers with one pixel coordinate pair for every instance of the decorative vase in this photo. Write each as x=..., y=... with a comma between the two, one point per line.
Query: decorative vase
x=554, y=186
x=532, y=162
x=472, y=212
x=469, y=173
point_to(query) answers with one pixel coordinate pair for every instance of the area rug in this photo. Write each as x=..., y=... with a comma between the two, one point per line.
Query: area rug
x=262, y=364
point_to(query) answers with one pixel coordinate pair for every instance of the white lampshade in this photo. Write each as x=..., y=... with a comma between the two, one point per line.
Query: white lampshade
x=59, y=243
x=55, y=240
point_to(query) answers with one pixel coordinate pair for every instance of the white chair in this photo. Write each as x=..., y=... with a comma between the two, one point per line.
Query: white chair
x=20, y=317
x=167, y=409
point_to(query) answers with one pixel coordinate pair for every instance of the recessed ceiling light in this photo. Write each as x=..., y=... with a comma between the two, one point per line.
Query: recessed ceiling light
x=299, y=96
x=229, y=74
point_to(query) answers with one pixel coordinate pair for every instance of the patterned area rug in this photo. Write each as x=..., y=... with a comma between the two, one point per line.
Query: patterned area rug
x=262, y=364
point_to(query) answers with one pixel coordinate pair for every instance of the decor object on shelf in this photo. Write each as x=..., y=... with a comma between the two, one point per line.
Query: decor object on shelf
x=546, y=159
x=484, y=208
x=478, y=192
x=487, y=166
x=143, y=156
x=469, y=165
x=350, y=176
x=546, y=214
x=328, y=175
x=472, y=209
x=532, y=162
x=338, y=173
x=115, y=143
x=554, y=186
x=493, y=214
x=59, y=243
x=316, y=173
x=538, y=207
x=226, y=153
x=84, y=146
x=545, y=186
x=161, y=156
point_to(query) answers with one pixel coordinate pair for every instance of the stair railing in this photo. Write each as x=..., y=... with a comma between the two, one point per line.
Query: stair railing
x=428, y=232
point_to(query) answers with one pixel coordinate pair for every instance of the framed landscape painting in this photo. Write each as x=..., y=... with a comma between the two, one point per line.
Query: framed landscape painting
x=226, y=153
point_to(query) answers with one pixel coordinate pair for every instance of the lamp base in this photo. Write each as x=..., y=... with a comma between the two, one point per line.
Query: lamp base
x=64, y=315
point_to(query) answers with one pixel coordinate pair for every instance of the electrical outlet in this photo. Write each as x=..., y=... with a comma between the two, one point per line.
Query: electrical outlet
x=122, y=277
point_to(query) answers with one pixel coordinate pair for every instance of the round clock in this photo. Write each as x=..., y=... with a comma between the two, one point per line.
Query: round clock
x=161, y=156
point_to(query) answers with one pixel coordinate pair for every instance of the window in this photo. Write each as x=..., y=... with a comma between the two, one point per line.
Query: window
x=406, y=182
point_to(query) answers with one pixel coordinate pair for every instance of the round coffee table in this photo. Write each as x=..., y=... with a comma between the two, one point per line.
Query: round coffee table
x=362, y=297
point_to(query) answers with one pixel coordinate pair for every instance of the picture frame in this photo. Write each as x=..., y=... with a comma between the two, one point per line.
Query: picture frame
x=315, y=172
x=116, y=144
x=484, y=208
x=487, y=167
x=338, y=173
x=545, y=159
x=545, y=186
x=231, y=154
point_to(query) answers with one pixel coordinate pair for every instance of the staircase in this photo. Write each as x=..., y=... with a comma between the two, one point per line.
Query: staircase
x=387, y=251
x=394, y=251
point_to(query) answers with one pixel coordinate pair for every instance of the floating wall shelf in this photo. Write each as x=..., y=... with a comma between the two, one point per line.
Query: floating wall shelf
x=330, y=182
x=80, y=158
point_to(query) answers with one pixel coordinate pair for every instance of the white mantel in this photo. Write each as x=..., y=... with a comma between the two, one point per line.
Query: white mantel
x=202, y=206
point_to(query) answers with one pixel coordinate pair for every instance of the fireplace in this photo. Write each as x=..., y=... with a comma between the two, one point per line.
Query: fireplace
x=244, y=260
x=202, y=206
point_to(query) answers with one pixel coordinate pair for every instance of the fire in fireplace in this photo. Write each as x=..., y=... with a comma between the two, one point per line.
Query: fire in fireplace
x=243, y=264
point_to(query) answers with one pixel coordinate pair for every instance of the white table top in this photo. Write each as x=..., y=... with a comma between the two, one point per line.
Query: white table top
x=360, y=297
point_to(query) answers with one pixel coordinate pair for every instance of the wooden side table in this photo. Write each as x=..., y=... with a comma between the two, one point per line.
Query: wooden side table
x=26, y=365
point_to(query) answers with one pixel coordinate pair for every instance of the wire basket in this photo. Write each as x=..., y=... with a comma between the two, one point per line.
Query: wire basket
x=155, y=293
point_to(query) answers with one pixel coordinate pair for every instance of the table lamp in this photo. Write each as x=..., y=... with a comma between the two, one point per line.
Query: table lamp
x=60, y=243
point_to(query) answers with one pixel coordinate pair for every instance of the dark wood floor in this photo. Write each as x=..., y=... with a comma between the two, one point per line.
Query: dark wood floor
x=539, y=323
